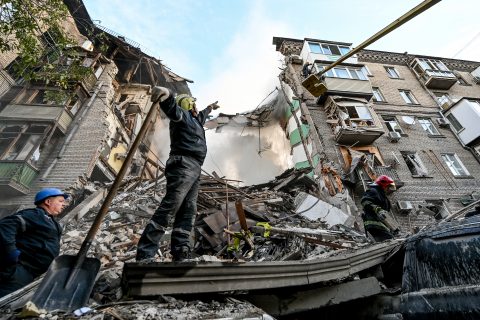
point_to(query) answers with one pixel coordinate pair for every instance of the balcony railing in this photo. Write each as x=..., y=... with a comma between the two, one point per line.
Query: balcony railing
x=338, y=86
x=16, y=177
x=435, y=79
x=357, y=135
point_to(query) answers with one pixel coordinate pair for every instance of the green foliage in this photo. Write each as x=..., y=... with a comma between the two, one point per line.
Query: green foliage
x=32, y=28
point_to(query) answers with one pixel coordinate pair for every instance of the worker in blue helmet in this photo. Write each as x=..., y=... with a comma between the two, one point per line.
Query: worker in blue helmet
x=188, y=149
x=30, y=240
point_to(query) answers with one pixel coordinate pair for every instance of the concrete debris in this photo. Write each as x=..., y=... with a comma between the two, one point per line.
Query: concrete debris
x=270, y=227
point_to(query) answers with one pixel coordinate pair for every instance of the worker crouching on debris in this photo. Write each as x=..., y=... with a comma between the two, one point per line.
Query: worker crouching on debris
x=376, y=207
x=30, y=240
x=188, y=149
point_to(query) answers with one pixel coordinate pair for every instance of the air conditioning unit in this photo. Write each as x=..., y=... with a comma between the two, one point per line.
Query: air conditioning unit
x=404, y=206
x=394, y=136
x=443, y=122
x=476, y=79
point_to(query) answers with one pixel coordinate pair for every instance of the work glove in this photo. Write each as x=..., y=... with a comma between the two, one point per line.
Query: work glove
x=12, y=257
x=214, y=105
x=160, y=94
x=382, y=214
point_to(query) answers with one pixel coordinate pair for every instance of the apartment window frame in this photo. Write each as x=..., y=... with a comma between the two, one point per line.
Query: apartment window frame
x=415, y=164
x=392, y=124
x=392, y=72
x=428, y=126
x=408, y=97
x=378, y=95
x=432, y=64
x=455, y=165
x=342, y=72
x=457, y=126
x=366, y=71
x=21, y=142
x=328, y=48
x=460, y=79
x=32, y=96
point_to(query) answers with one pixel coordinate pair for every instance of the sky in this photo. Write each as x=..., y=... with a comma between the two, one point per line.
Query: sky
x=225, y=46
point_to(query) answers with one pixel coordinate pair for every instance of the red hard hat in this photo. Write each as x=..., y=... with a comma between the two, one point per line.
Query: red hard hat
x=384, y=181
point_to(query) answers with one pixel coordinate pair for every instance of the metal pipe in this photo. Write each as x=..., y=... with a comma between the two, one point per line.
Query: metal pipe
x=392, y=26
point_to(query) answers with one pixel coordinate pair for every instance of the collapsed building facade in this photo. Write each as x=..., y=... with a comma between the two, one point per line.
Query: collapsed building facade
x=407, y=116
x=63, y=144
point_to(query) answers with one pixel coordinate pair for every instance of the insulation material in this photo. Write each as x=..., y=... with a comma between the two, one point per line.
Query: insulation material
x=313, y=208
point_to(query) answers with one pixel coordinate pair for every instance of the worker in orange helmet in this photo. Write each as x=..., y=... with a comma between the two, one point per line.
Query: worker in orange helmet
x=376, y=206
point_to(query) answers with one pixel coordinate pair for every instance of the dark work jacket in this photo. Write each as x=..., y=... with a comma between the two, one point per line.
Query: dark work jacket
x=187, y=136
x=35, y=234
x=376, y=195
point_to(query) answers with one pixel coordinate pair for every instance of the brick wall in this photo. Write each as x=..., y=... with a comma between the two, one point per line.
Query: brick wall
x=82, y=149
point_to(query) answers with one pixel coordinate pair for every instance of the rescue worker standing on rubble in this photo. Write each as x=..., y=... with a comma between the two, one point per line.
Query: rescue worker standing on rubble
x=376, y=206
x=188, y=149
x=30, y=240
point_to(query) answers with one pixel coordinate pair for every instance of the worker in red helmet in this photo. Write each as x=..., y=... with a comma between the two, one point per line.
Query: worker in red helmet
x=376, y=206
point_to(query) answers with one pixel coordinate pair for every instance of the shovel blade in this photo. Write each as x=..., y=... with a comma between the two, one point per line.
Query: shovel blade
x=53, y=293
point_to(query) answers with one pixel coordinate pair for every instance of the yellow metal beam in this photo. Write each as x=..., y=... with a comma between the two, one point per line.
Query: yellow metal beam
x=392, y=26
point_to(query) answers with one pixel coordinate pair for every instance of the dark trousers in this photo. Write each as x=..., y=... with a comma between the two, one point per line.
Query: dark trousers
x=20, y=278
x=380, y=235
x=183, y=174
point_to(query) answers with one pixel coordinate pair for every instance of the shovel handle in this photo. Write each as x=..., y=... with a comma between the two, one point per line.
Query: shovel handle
x=114, y=188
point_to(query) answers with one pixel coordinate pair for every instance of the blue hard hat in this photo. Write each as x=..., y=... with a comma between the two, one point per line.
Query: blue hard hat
x=47, y=193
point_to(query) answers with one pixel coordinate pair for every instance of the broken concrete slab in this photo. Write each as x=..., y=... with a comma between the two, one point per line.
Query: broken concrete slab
x=284, y=303
x=313, y=209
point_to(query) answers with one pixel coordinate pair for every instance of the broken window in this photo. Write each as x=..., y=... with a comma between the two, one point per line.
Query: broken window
x=428, y=126
x=350, y=113
x=455, y=165
x=435, y=208
x=21, y=142
x=414, y=164
x=392, y=124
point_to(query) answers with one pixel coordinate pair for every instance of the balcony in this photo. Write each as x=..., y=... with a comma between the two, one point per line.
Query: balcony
x=337, y=86
x=56, y=114
x=353, y=121
x=16, y=177
x=433, y=73
x=357, y=136
x=89, y=82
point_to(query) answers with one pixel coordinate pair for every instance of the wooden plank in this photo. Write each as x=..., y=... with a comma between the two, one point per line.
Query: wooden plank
x=83, y=207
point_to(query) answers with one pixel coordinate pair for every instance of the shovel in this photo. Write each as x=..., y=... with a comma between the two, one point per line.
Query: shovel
x=70, y=279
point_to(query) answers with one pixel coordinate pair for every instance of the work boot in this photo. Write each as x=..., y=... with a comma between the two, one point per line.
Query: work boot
x=181, y=255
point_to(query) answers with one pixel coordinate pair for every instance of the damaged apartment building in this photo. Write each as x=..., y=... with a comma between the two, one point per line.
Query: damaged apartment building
x=64, y=144
x=411, y=117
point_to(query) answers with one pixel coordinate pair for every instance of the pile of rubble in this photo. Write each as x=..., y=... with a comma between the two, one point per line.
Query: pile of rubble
x=278, y=221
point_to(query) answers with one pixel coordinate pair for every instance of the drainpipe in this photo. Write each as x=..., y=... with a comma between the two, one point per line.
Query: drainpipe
x=72, y=132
